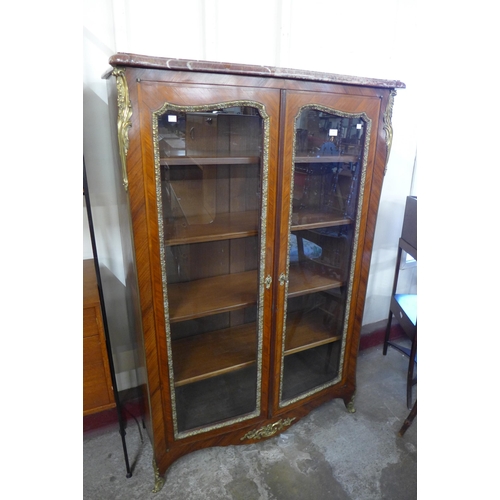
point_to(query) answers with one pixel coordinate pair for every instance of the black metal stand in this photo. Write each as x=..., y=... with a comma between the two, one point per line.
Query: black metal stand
x=105, y=323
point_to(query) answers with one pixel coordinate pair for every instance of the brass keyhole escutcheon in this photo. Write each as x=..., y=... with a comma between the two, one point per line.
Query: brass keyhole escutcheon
x=268, y=282
x=283, y=279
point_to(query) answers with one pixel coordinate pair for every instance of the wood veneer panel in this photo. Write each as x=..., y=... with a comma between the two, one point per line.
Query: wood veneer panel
x=142, y=203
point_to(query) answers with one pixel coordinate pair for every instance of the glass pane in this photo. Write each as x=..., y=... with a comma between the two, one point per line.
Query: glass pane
x=327, y=167
x=211, y=199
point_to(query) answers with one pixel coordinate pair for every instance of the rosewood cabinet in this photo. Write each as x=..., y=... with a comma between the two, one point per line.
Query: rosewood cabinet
x=253, y=195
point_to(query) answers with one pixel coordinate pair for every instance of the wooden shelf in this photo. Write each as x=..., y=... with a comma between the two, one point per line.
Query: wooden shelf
x=233, y=225
x=210, y=354
x=307, y=331
x=206, y=355
x=224, y=227
x=312, y=219
x=230, y=292
x=213, y=160
x=326, y=159
x=304, y=280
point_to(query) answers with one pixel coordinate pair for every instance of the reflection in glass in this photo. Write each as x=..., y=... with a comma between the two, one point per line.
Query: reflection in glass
x=327, y=169
x=210, y=168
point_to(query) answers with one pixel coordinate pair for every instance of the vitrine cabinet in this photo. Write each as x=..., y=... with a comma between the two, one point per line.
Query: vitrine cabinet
x=252, y=195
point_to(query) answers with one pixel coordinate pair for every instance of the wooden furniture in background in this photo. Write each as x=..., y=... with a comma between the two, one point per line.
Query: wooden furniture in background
x=253, y=194
x=97, y=386
x=404, y=305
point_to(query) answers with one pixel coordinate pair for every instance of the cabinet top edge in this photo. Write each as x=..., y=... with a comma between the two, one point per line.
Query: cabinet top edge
x=152, y=62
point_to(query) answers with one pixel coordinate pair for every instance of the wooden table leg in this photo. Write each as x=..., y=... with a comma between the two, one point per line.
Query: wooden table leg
x=409, y=420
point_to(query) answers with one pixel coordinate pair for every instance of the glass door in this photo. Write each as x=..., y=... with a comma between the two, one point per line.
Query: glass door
x=212, y=190
x=328, y=171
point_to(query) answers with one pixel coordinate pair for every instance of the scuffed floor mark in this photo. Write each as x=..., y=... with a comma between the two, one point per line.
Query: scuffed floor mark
x=358, y=450
x=410, y=447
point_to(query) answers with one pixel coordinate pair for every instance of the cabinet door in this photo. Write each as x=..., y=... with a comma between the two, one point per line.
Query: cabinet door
x=330, y=139
x=214, y=155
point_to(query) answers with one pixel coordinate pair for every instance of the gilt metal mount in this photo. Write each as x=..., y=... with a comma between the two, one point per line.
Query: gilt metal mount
x=268, y=430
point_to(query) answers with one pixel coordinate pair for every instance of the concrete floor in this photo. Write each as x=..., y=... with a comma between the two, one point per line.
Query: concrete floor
x=330, y=454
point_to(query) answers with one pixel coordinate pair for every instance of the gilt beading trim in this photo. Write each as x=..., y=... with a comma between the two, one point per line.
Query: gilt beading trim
x=264, y=207
x=366, y=147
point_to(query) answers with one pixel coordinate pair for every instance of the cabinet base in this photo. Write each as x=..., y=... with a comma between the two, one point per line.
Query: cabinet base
x=258, y=432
